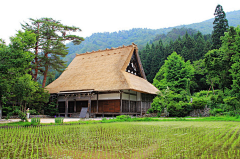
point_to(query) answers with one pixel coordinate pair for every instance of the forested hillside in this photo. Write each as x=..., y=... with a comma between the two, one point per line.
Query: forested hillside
x=139, y=36
x=190, y=47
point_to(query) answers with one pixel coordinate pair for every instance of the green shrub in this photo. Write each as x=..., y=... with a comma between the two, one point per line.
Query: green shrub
x=59, y=120
x=33, y=112
x=199, y=103
x=123, y=117
x=232, y=102
x=51, y=109
x=35, y=121
x=150, y=110
x=21, y=115
x=215, y=111
x=180, y=109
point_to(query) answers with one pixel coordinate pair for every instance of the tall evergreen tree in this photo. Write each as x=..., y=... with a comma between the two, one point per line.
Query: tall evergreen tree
x=146, y=59
x=189, y=43
x=50, y=47
x=199, y=46
x=220, y=25
x=231, y=48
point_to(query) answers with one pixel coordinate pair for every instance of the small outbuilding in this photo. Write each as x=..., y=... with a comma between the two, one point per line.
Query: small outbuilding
x=107, y=82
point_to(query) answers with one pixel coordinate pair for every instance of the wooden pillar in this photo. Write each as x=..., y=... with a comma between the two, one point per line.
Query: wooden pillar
x=120, y=101
x=129, y=101
x=75, y=106
x=141, y=103
x=89, y=106
x=66, y=107
x=57, y=102
x=97, y=102
x=57, y=106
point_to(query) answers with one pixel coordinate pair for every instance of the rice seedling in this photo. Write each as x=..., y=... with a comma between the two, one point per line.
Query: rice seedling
x=178, y=139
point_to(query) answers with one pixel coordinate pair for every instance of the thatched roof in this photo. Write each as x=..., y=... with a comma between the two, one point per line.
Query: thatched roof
x=103, y=70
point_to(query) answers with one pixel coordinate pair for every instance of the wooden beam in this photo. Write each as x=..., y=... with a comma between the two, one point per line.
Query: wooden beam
x=89, y=106
x=140, y=63
x=75, y=106
x=121, y=102
x=66, y=107
x=129, y=102
x=97, y=102
x=57, y=103
x=141, y=103
x=108, y=92
x=130, y=93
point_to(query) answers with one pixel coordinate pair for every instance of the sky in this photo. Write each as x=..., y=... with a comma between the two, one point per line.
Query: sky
x=93, y=16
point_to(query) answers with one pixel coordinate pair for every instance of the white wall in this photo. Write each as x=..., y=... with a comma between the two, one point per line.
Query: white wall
x=110, y=96
x=136, y=97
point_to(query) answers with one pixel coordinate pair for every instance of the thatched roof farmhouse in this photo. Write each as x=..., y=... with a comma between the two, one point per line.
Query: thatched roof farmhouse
x=107, y=82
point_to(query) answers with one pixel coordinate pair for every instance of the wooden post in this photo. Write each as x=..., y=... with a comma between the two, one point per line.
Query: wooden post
x=97, y=102
x=75, y=106
x=66, y=107
x=57, y=105
x=89, y=106
x=129, y=101
x=120, y=101
x=141, y=103
x=57, y=102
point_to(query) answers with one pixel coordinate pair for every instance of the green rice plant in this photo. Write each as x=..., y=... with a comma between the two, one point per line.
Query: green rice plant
x=35, y=121
x=59, y=120
x=178, y=139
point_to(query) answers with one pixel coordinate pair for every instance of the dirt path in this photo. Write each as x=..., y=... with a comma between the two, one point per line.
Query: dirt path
x=47, y=120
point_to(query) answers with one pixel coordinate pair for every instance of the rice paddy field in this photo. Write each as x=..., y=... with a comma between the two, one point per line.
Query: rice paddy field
x=173, y=139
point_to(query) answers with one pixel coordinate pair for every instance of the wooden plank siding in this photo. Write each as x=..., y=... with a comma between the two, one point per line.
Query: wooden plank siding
x=109, y=106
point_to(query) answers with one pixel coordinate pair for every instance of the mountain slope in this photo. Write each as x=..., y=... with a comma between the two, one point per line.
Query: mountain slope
x=139, y=36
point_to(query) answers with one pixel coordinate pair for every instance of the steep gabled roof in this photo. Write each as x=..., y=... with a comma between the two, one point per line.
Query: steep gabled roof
x=103, y=70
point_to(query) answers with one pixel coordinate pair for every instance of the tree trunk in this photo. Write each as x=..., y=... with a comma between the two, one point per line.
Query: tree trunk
x=36, y=58
x=36, y=63
x=45, y=76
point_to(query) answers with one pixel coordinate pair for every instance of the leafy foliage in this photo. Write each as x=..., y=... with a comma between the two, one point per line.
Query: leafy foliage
x=49, y=48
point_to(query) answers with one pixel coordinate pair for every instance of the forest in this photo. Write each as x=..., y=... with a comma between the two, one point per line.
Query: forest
x=190, y=67
x=196, y=71
x=32, y=54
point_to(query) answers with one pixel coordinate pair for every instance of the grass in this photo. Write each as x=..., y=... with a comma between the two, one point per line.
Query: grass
x=168, y=139
x=127, y=119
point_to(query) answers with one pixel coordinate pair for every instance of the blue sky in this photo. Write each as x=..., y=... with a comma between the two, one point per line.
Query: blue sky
x=109, y=15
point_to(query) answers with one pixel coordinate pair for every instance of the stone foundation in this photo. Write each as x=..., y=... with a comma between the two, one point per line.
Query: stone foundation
x=150, y=115
x=200, y=112
x=31, y=116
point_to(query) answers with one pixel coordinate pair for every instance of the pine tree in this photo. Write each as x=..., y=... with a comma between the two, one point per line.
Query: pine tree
x=220, y=25
x=50, y=47
x=189, y=43
x=199, y=46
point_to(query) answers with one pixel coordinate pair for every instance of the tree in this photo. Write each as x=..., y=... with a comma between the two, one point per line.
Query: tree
x=232, y=47
x=14, y=66
x=189, y=43
x=220, y=25
x=200, y=46
x=175, y=73
x=200, y=72
x=49, y=48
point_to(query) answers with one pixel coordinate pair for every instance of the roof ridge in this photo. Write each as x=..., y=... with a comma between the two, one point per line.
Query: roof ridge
x=107, y=49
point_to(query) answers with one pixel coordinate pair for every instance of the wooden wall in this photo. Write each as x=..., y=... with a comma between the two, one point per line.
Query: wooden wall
x=106, y=106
